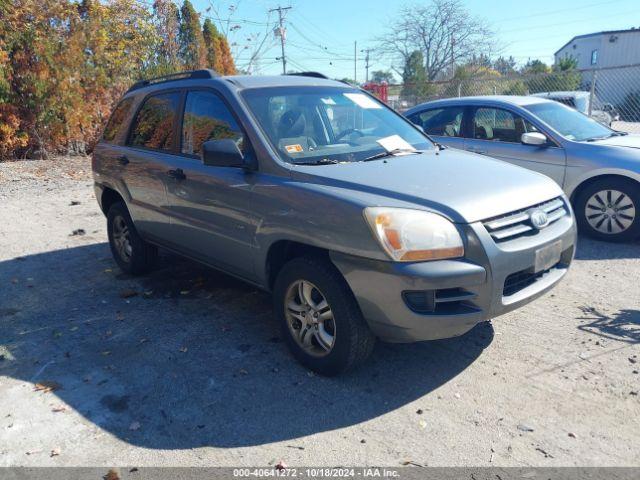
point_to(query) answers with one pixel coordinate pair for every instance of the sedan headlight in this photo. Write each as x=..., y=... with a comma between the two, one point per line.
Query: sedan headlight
x=414, y=235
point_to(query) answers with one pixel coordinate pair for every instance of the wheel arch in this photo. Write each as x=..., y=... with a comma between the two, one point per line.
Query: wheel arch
x=281, y=251
x=109, y=197
x=597, y=176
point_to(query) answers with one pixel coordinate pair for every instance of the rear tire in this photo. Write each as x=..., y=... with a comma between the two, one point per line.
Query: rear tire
x=132, y=254
x=608, y=209
x=338, y=343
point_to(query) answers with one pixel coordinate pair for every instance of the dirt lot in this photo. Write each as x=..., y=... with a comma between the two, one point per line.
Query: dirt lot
x=185, y=366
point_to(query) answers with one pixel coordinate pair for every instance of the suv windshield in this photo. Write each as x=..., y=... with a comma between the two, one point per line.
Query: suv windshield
x=309, y=124
x=570, y=123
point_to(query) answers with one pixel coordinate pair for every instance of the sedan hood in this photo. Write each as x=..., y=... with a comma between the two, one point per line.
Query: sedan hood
x=463, y=186
x=630, y=141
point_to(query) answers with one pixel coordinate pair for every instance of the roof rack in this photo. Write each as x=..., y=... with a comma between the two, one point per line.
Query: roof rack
x=309, y=74
x=189, y=75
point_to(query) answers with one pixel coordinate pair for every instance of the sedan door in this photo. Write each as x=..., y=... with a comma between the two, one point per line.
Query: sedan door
x=496, y=132
x=211, y=214
x=443, y=124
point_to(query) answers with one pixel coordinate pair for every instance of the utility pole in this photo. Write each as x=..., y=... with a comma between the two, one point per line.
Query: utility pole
x=355, y=62
x=366, y=52
x=281, y=32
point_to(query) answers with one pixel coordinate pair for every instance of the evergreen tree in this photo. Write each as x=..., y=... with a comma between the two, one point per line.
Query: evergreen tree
x=415, y=78
x=192, y=49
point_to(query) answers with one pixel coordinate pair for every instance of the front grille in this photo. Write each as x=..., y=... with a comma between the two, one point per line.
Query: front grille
x=520, y=280
x=518, y=224
x=448, y=301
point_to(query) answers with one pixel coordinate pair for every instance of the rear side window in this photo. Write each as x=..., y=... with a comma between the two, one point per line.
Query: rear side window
x=446, y=122
x=116, y=123
x=206, y=117
x=154, y=124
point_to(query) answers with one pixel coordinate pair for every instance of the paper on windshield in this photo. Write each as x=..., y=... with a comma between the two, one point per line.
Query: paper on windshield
x=362, y=100
x=395, y=142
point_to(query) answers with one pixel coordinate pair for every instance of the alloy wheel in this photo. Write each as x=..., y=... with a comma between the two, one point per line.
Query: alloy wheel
x=122, y=239
x=310, y=318
x=610, y=211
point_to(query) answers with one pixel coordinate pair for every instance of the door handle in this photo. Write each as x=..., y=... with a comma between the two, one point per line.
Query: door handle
x=178, y=174
x=123, y=160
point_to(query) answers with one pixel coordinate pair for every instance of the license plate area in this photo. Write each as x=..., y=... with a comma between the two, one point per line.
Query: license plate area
x=547, y=257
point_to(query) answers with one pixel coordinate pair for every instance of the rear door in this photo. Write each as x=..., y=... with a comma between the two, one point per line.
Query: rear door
x=211, y=215
x=496, y=132
x=443, y=124
x=151, y=146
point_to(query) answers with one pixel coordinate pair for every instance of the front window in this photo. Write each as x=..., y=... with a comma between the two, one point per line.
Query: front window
x=206, y=117
x=445, y=122
x=305, y=123
x=568, y=122
x=594, y=57
x=499, y=125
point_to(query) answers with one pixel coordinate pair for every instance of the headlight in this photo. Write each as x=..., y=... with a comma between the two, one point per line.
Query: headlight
x=414, y=235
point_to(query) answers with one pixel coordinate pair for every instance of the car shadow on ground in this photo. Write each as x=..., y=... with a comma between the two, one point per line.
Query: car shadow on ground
x=590, y=249
x=187, y=357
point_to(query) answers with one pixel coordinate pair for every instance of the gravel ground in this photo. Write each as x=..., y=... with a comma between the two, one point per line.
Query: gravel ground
x=185, y=367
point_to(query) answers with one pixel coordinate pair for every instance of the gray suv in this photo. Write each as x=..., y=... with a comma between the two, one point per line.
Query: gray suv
x=358, y=223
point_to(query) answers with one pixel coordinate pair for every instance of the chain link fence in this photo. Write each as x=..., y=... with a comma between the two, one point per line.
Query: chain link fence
x=609, y=95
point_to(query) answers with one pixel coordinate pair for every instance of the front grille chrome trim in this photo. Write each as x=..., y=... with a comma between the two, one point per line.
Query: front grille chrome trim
x=516, y=224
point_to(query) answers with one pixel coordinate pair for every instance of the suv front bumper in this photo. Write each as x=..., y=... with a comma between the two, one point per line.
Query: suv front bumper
x=408, y=302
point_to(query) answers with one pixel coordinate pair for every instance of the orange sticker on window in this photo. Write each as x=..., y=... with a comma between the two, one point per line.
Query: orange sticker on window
x=297, y=148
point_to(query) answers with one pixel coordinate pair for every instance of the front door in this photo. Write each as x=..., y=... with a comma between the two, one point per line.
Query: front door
x=211, y=214
x=496, y=132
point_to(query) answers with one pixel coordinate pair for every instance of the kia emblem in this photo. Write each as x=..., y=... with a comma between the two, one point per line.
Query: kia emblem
x=539, y=219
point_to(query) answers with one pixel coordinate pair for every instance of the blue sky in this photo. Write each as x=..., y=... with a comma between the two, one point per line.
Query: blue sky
x=321, y=33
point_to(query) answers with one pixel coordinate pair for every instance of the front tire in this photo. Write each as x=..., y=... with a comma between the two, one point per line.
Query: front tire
x=132, y=254
x=609, y=209
x=320, y=318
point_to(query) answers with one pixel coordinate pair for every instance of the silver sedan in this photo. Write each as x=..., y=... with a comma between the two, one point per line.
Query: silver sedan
x=598, y=168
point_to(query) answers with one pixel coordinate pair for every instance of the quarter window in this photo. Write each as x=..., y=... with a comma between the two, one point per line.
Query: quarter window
x=499, y=125
x=206, y=117
x=116, y=123
x=154, y=124
x=445, y=122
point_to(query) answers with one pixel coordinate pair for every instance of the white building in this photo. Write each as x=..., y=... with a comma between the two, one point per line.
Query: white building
x=603, y=49
x=613, y=58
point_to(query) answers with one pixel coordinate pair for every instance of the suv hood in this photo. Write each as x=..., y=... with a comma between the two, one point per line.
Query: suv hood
x=630, y=141
x=465, y=187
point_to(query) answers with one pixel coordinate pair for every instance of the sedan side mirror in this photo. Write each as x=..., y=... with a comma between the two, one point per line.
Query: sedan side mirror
x=222, y=153
x=534, y=138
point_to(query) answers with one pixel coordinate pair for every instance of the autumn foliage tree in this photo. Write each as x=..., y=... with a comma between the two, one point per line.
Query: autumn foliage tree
x=65, y=63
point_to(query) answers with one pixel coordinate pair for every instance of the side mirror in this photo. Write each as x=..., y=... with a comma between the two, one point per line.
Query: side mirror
x=534, y=138
x=222, y=153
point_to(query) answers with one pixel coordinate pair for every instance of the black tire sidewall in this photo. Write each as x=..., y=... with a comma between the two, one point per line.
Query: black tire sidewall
x=350, y=326
x=629, y=187
x=140, y=255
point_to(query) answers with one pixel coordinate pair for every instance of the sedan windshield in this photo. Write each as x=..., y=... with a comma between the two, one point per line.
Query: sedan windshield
x=330, y=125
x=570, y=123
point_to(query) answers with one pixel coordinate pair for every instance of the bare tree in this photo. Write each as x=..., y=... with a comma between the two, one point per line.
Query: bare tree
x=443, y=31
x=249, y=40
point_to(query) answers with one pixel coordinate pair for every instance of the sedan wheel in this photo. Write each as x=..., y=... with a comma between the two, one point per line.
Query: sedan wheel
x=610, y=212
x=609, y=209
x=310, y=318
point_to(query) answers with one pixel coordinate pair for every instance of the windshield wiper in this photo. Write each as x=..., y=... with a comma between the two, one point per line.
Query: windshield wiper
x=321, y=161
x=612, y=134
x=389, y=153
